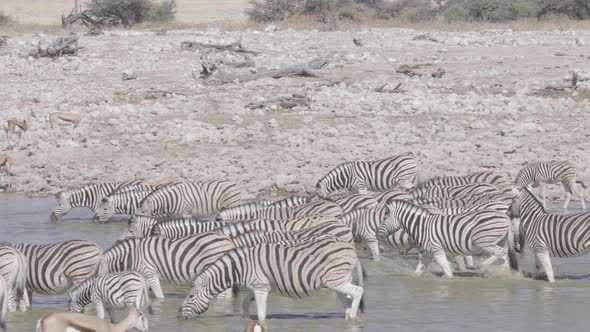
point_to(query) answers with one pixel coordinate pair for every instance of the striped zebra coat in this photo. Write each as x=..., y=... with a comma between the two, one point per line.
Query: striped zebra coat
x=199, y=199
x=536, y=174
x=173, y=260
x=55, y=268
x=13, y=268
x=294, y=270
x=235, y=229
x=467, y=191
x=490, y=177
x=334, y=228
x=364, y=224
x=548, y=234
x=124, y=202
x=459, y=206
x=276, y=212
x=384, y=197
x=352, y=202
x=457, y=235
x=89, y=196
x=248, y=209
x=365, y=176
x=4, y=293
x=183, y=227
x=111, y=291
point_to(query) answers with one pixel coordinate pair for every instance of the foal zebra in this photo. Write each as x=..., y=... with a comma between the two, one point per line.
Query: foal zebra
x=54, y=268
x=549, y=234
x=174, y=260
x=535, y=174
x=376, y=175
x=125, y=202
x=111, y=291
x=294, y=270
x=13, y=268
x=197, y=199
x=458, y=235
x=89, y=196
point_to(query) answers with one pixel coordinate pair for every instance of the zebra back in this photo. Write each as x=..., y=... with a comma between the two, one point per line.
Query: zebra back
x=459, y=191
x=352, y=202
x=235, y=229
x=53, y=268
x=490, y=177
x=291, y=201
x=388, y=173
x=183, y=227
x=386, y=196
x=337, y=229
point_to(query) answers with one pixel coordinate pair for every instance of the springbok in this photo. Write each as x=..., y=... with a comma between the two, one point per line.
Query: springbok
x=17, y=126
x=69, y=321
x=73, y=118
x=5, y=163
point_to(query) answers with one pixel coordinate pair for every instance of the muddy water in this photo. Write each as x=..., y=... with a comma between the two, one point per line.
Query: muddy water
x=395, y=299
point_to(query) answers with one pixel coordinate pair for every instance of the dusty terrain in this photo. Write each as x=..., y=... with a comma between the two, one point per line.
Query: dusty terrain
x=489, y=111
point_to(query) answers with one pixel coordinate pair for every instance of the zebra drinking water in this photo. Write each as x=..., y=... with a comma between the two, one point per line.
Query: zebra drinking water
x=375, y=175
x=536, y=174
x=89, y=196
x=174, y=260
x=109, y=292
x=457, y=235
x=294, y=270
x=125, y=202
x=548, y=234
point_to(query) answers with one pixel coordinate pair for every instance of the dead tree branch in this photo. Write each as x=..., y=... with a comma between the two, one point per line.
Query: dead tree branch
x=61, y=46
x=232, y=47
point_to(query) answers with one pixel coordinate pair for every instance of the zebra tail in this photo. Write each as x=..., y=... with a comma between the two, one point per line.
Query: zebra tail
x=21, y=280
x=362, y=277
x=3, y=309
x=582, y=184
x=143, y=301
x=512, y=256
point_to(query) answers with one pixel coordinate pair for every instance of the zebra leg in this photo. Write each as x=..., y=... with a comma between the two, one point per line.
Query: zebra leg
x=246, y=303
x=154, y=283
x=569, y=189
x=460, y=261
x=545, y=260
x=99, y=309
x=373, y=245
x=469, y=262
x=441, y=259
x=419, y=267
x=261, y=294
x=11, y=301
x=111, y=313
x=356, y=292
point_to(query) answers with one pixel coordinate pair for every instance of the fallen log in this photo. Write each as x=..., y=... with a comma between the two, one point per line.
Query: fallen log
x=232, y=47
x=61, y=46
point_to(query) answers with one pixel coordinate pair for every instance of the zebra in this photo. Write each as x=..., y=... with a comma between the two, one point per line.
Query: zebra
x=271, y=212
x=174, y=260
x=364, y=224
x=111, y=291
x=183, y=227
x=13, y=268
x=54, y=268
x=140, y=226
x=385, y=196
x=458, y=235
x=376, y=175
x=236, y=229
x=535, y=174
x=124, y=202
x=490, y=177
x=470, y=190
x=291, y=201
x=89, y=196
x=4, y=295
x=353, y=202
x=548, y=234
x=198, y=199
x=294, y=270
x=334, y=228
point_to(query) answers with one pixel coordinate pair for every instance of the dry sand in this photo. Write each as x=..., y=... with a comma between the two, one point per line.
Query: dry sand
x=489, y=111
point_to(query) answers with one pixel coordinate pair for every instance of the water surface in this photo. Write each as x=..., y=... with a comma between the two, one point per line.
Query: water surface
x=395, y=299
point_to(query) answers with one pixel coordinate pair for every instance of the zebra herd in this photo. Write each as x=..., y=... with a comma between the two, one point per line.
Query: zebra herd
x=200, y=234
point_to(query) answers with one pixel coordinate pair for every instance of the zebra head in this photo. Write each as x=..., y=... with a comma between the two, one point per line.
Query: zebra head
x=322, y=189
x=105, y=210
x=74, y=304
x=198, y=299
x=64, y=204
x=141, y=226
x=391, y=221
x=141, y=323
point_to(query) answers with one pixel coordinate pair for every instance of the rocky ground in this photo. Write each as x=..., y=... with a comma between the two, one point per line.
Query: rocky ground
x=505, y=99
